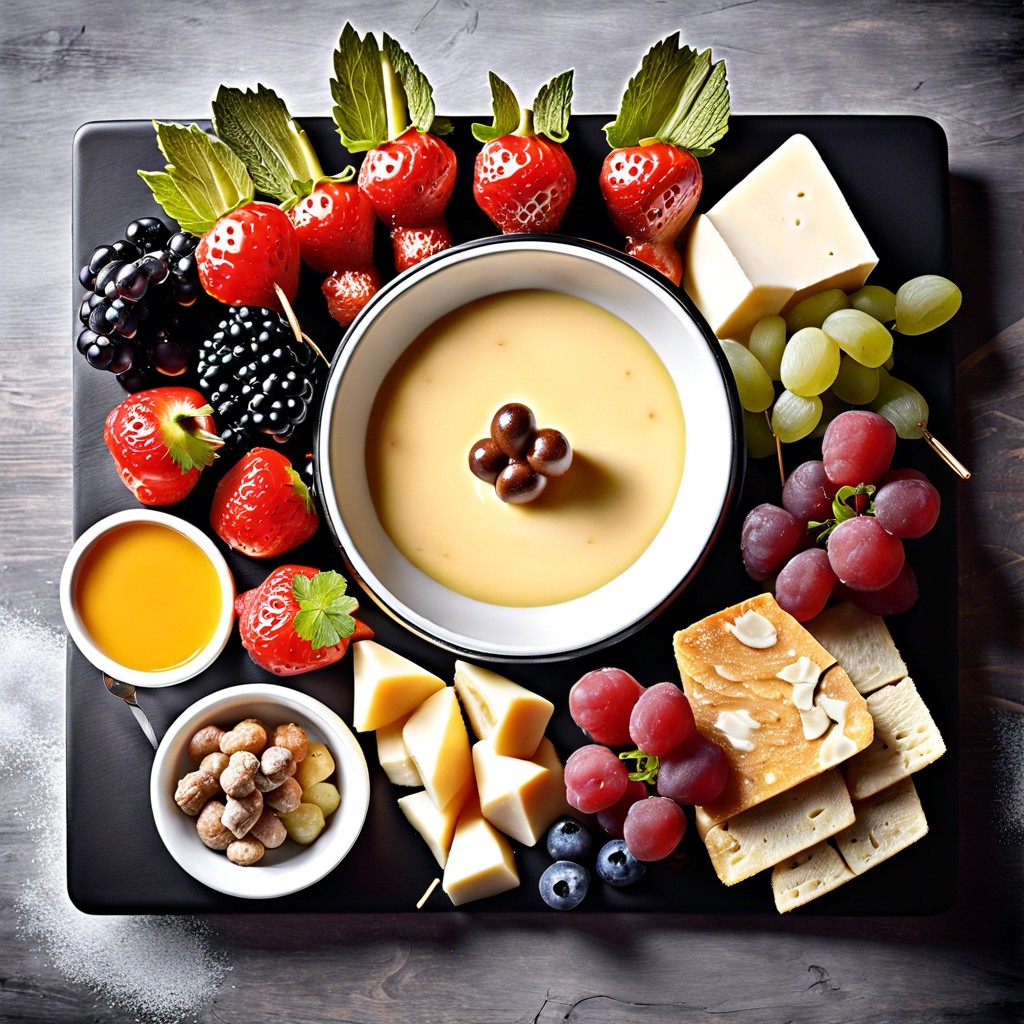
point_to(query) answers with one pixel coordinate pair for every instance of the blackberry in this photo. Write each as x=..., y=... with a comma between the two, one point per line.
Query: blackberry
x=257, y=377
x=141, y=312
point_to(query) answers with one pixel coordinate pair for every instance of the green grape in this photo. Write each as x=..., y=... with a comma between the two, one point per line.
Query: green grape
x=760, y=439
x=810, y=362
x=902, y=405
x=795, y=416
x=767, y=341
x=924, y=303
x=831, y=407
x=859, y=335
x=876, y=301
x=889, y=363
x=855, y=383
x=752, y=381
x=812, y=311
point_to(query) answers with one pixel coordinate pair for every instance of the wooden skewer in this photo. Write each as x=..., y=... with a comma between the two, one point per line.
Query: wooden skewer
x=430, y=888
x=944, y=453
x=293, y=320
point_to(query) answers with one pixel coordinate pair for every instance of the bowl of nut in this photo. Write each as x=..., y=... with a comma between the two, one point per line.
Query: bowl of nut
x=259, y=791
x=527, y=447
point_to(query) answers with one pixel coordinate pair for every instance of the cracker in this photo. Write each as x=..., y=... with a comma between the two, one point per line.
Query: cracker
x=807, y=875
x=885, y=823
x=861, y=643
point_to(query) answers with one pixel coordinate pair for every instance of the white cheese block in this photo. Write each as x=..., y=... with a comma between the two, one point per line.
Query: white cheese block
x=480, y=862
x=393, y=754
x=438, y=744
x=520, y=797
x=436, y=827
x=386, y=686
x=861, y=643
x=510, y=716
x=807, y=875
x=783, y=233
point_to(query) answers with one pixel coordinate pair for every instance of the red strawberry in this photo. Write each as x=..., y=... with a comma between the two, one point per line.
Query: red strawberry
x=262, y=507
x=334, y=224
x=408, y=173
x=161, y=440
x=347, y=291
x=672, y=112
x=523, y=180
x=298, y=619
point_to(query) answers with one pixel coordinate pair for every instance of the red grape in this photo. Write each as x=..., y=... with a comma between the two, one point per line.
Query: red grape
x=904, y=473
x=808, y=492
x=864, y=555
x=857, y=448
x=694, y=773
x=661, y=719
x=654, y=828
x=770, y=535
x=900, y=595
x=907, y=508
x=805, y=584
x=600, y=704
x=611, y=818
x=594, y=778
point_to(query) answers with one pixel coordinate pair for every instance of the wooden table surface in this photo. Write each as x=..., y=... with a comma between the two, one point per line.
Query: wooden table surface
x=63, y=62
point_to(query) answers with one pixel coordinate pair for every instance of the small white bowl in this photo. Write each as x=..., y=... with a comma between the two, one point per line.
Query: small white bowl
x=711, y=474
x=292, y=866
x=80, y=635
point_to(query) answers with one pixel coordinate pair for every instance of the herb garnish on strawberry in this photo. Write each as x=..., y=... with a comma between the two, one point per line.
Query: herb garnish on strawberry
x=384, y=107
x=522, y=179
x=333, y=222
x=247, y=247
x=674, y=109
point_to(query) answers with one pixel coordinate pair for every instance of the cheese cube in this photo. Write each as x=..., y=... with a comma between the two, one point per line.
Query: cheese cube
x=511, y=717
x=438, y=744
x=783, y=233
x=480, y=862
x=386, y=686
x=393, y=754
x=436, y=827
x=520, y=797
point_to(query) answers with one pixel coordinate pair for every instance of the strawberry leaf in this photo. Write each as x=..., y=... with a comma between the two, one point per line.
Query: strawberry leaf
x=268, y=140
x=551, y=108
x=302, y=490
x=324, y=617
x=506, y=112
x=203, y=179
x=360, y=110
x=441, y=126
x=188, y=444
x=701, y=117
x=419, y=96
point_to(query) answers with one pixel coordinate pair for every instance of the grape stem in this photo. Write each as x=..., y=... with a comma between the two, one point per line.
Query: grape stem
x=944, y=453
x=843, y=510
x=647, y=765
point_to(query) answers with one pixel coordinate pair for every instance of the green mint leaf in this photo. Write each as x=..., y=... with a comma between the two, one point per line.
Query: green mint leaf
x=701, y=117
x=419, y=96
x=324, y=617
x=360, y=111
x=441, y=126
x=271, y=144
x=552, y=106
x=188, y=444
x=203, y=179
x=647, y=765
x=506, y=112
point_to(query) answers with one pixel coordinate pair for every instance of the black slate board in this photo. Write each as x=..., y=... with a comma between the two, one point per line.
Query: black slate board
x=893, y=171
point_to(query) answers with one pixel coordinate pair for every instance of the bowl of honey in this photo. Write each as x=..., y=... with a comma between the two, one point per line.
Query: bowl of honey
x=147, y=598
x=607, y=359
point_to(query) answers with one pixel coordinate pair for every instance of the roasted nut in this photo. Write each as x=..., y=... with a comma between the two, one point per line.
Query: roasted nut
x=206, y=741
x=240, y=814
x=269, y=830
x=210, y=828
x=277, y=764
x=285, y=797
x=194, y=790
x=316, y=766
x=245, y=852
x=214, y=763
x=249, y=735
x=238, y=779
x=293, y=737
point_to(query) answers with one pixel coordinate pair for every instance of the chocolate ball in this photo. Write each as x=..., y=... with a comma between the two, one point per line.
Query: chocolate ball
x=512, y=428
x=517, y=483
x=487, y=460
x=549, y=453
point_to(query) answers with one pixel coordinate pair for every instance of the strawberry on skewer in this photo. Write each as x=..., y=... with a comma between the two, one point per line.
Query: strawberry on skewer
x=384, y=107
x=522, y=179
x=334, y=223
x=675, y=108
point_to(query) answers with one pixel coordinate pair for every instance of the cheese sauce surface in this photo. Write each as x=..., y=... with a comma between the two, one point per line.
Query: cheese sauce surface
x=583, y=371
x=148, y=596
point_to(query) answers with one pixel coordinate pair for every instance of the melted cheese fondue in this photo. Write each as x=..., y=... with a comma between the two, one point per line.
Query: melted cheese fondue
x=583, y=371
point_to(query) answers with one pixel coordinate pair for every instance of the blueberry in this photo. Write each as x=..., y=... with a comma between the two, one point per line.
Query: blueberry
x=617, y=866
x=564, y=884
x=569, y=840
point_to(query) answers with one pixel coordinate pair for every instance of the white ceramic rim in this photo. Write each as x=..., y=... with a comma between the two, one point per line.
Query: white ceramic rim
x=168, y=677
x=497, y=632
x=291, y=867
